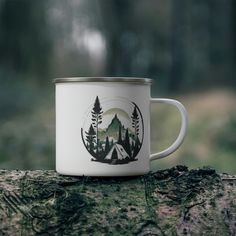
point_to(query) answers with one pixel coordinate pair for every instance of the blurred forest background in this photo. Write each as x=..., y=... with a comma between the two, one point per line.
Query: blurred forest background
x=187, y=46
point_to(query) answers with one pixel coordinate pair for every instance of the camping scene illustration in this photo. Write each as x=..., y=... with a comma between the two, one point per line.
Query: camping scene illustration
x=113, y=135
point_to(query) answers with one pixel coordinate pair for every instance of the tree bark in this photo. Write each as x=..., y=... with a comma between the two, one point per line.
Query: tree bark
x=175, y=201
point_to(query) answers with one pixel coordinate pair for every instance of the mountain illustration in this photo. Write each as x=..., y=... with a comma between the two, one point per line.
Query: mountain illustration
x=114, y=143
x=114, y=125
x=112, y=130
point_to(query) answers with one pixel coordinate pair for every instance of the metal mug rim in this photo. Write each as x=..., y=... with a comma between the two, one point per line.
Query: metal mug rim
x=133, y=80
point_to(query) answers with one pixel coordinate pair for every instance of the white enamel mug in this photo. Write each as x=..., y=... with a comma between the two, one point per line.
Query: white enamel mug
x=103, y=126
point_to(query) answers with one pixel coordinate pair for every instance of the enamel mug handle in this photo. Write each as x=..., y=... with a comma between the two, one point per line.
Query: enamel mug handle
x=183, y=129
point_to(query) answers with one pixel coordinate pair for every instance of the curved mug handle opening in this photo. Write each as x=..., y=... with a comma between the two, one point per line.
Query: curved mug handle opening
x=184, y=124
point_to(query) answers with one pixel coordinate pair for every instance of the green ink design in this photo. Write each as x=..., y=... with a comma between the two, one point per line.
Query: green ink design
x=116, y=139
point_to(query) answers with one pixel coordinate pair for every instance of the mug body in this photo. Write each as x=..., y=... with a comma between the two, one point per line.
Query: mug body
x=102, y=127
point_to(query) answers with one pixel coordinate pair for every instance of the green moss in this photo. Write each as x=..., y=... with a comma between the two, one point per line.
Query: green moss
x=122, y=206
x=213, y=202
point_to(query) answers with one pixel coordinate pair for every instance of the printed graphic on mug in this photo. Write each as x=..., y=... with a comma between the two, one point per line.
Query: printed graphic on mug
x=113, y=130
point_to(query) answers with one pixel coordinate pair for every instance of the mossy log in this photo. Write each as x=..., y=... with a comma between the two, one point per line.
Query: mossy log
x=176, y=201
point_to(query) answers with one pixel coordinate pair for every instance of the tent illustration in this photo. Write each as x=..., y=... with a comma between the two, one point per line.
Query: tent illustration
x=116, y=153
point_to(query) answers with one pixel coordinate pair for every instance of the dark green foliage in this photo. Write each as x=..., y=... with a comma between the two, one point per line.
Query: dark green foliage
x=127, y=143
x=111, y=130
x=97, y=110
x=136, y=147
x=132, y=145
x=135, y=125
x=90, y=138
x=32, y=52
x=97, y=118
x=101, y=147
x=101, y=150
x=135, y=121
x=107, y=146
x=44, y=41
x=120, y=137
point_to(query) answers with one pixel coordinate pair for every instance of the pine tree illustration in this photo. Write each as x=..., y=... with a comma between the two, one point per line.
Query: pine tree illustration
x=101, y=147
x=120, y=137
x=135, y=121
x=90, y=136
x=97, y=119
x=107, y=146
x=132, y=145
x=136, y=147
x=135, y=125
x=127, y=143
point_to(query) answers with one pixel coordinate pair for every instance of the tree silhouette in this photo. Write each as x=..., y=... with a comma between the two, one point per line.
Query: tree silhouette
x=135, y=121
x=101, y=142
x=135, y=125
x=127, y=143
x=120, y=137
x=137, y=147
x=101, y=147
x=132, y=146
x=107, y=145
x=90, y=136
x=97, y=118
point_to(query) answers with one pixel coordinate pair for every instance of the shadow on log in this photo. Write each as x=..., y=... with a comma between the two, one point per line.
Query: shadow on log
x=176, y=201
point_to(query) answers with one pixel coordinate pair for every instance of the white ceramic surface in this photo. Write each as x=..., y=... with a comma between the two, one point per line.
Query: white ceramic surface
x=103, y=128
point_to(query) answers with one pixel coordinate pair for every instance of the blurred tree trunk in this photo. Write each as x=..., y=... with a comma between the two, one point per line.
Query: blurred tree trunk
x=25, y=39
x=176, y=201
x=220, y=45
x=233, y=39
x=116, y=17
x=178, y=46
